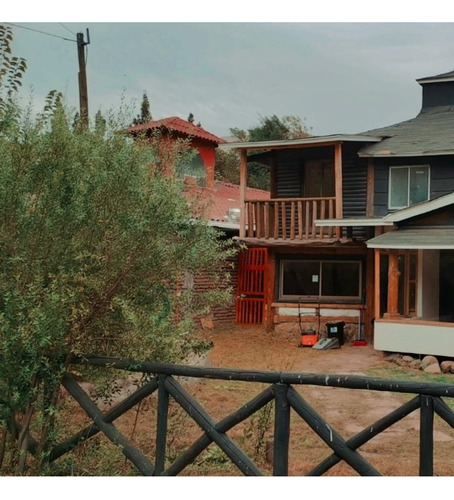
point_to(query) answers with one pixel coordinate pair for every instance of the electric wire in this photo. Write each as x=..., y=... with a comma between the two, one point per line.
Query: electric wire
x=66, y=28
x=39, y=31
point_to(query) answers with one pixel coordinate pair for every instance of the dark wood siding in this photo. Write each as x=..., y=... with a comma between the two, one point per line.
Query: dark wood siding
x=441, y=178
x=289, y=181
x=354, y=190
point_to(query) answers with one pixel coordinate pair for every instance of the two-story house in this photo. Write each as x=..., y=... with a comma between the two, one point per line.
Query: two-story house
x=359, y=229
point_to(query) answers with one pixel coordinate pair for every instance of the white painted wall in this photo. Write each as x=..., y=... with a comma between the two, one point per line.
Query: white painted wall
x=306, y=311
x=415, y=338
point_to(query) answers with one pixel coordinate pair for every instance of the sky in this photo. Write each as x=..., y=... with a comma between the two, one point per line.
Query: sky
x=336, y=76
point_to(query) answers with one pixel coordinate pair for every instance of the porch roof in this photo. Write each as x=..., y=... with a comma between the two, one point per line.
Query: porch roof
x=439, y=238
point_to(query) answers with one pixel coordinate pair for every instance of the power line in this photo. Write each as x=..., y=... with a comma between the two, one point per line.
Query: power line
x=66, y=28
x=38, y=31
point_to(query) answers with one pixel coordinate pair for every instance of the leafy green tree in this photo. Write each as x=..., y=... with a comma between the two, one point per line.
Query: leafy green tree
x=93, y=242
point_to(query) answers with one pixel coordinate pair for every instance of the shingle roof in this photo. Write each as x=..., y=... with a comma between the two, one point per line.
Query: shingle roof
x=174, y=123
x=430, y=133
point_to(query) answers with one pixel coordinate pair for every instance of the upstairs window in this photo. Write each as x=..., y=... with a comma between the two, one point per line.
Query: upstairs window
x=408, y=185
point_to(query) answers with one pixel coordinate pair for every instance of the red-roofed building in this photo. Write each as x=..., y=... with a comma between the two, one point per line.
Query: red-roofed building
x=174, y=128
x=218, y=202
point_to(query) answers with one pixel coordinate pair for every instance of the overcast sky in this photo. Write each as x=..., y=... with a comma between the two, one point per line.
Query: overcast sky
x=338, y=77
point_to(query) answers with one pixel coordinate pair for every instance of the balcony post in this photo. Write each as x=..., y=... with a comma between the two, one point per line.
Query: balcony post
x=243, y=182
x=338, y=183
x=393, y=286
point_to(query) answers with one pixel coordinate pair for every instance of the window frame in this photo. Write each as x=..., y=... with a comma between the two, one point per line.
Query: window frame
x=409, y=168
x=322, y=298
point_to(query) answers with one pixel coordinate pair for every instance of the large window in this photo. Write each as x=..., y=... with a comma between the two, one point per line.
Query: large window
x=320, y=280
x=408, y=185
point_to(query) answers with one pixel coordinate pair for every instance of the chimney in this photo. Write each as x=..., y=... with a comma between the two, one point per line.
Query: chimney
x=437, y=90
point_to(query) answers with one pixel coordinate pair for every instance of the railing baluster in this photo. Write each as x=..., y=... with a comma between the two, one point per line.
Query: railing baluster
x=284, y=221
x=281, y=431
x=426, y=436
x=276, y=219
x=267, y=221
x=292, y=220
x=300, y=220
x=161, y=427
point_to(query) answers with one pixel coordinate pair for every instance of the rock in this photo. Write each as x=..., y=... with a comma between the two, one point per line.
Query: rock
x=432, y=368
x=392, y=357
x=407, y=358
x=207, y=323
x=447, y=366
x=415, y=364
x=428, y=360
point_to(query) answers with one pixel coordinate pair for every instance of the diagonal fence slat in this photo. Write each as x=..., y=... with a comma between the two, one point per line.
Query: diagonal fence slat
x=367, y=434
x=444, y=411
x=329, y=435
x=142, y=463
x=207, y=424
x=109, y=417
x=224, y=425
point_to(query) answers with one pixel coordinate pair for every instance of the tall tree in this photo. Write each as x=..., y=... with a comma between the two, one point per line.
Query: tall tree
x=93, y=242
x=145, y=113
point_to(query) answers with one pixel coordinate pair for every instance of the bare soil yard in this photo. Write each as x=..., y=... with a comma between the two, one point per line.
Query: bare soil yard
x=394, y=452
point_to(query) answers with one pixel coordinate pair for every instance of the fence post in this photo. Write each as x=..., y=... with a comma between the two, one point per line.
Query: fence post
x=426, y=436
x=161, y=426
x=281, y=430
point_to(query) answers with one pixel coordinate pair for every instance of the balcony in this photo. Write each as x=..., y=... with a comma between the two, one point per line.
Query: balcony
x=290, y=219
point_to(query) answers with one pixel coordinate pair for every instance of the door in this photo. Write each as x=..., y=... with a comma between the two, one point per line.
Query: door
x=251, y=296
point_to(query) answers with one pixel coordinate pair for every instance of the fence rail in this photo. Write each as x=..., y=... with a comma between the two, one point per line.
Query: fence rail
x=282, y=390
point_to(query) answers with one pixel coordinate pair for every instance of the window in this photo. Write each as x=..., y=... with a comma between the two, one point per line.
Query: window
x=408, y=185
x=320, y=280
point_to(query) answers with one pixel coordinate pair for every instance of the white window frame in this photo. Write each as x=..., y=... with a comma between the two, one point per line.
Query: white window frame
x=319, y=297
x=408, y=167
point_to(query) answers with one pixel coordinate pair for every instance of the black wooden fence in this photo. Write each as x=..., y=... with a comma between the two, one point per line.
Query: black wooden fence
x=428, y=400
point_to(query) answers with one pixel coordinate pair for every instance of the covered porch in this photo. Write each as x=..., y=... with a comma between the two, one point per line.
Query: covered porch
x=414, y=291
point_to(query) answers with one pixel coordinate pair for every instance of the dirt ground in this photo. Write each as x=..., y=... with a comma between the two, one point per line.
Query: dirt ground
x=393, y=453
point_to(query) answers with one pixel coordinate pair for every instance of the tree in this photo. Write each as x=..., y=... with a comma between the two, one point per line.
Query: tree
x=270, y=128
x=145, y=114
x=93, y=241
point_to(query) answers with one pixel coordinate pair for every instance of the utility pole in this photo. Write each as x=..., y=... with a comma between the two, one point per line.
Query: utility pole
x=83, y=89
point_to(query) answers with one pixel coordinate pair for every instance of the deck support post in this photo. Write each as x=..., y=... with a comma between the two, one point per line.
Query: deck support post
x=393, y=286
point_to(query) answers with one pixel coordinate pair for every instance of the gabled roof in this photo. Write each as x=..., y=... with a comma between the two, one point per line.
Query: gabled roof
x=176, y=124
x=430, y=133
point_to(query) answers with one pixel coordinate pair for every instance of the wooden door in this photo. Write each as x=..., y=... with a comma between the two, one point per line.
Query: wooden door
x=251, y=299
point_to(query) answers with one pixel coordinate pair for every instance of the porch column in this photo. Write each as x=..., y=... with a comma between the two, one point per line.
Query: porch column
x=393, y=286
x=243, y=182
x=338, y=184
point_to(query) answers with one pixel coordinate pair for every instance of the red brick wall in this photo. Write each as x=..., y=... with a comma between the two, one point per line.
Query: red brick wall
x=224, y=315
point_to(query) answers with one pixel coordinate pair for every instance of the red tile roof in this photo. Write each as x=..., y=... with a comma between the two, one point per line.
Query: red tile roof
x=223, y=197
x=176, y=124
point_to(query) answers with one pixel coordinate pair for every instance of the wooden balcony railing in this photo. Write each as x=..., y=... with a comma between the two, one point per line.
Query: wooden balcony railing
x=289, y=219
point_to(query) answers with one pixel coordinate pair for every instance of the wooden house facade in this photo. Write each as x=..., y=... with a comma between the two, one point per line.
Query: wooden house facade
x=358, y=229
